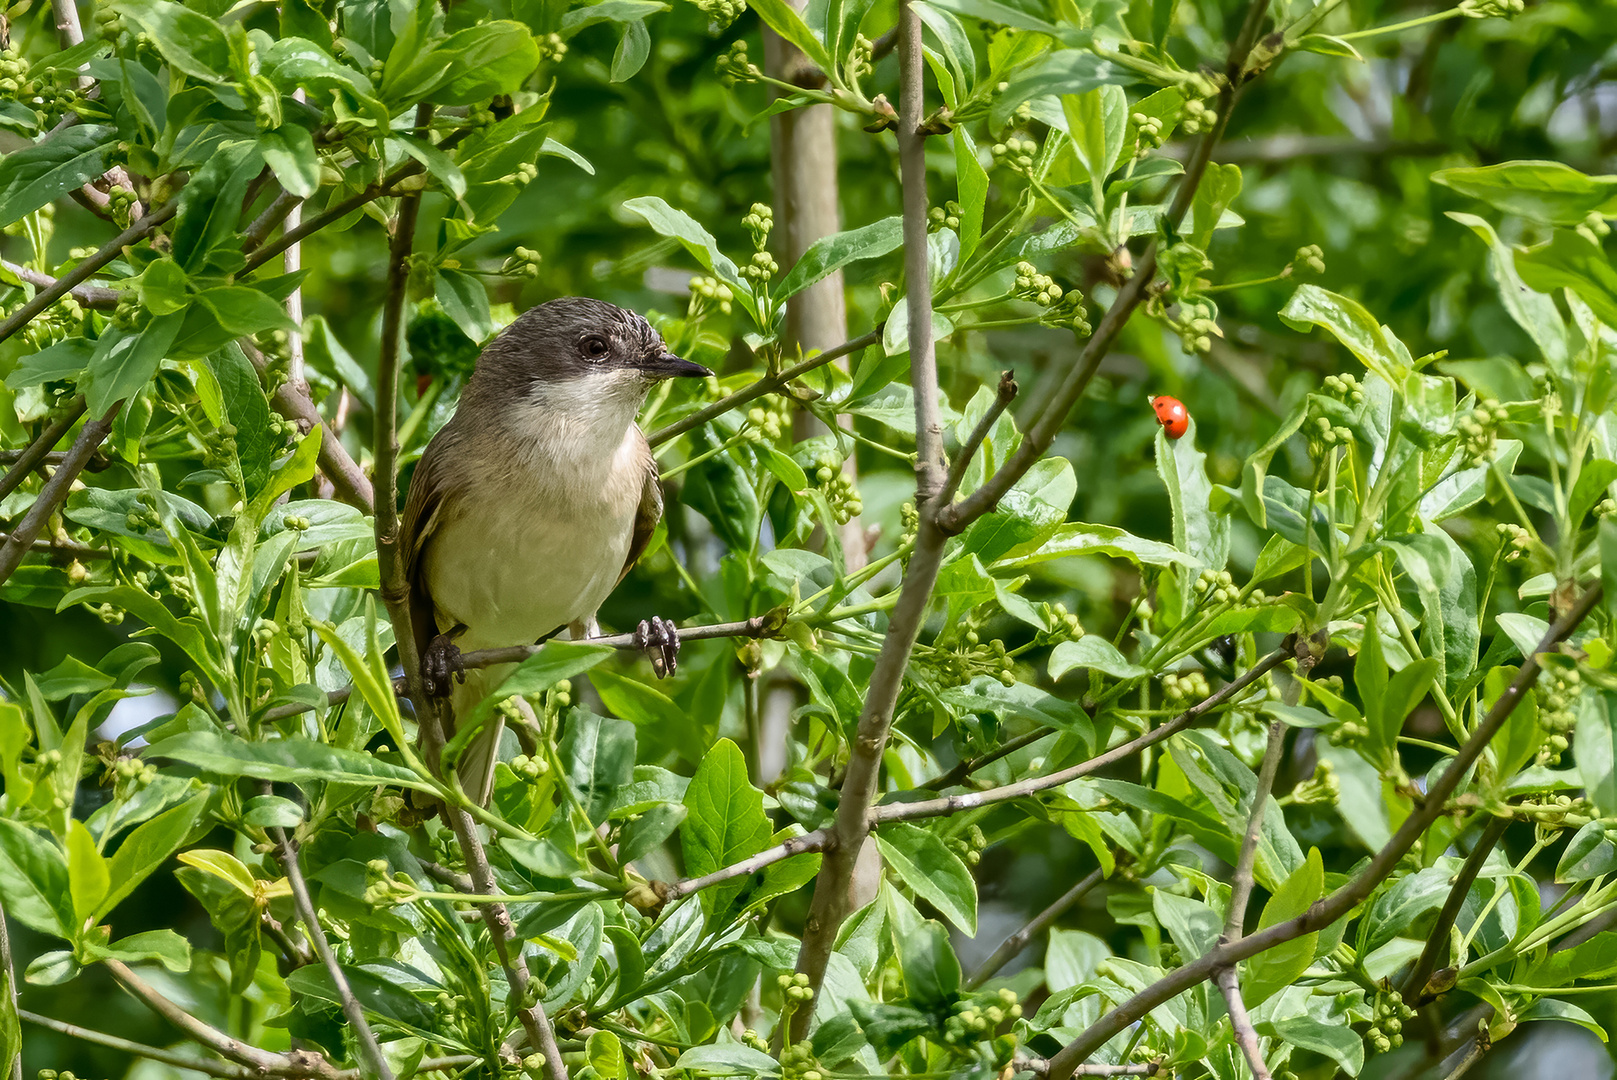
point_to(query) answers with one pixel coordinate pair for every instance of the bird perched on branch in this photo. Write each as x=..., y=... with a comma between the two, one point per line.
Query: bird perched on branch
x=534, y=501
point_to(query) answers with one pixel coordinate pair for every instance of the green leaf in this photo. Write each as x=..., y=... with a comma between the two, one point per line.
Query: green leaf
x=1096, y=121
x=972, y=191
x=1352, y=325
x=188, y=40
x=1570, y=260
x=1275, y=969
x=648, y=830
x=831, y=253
x=289, y=760
x=555, y=661
x=724, y=824
x=598, y=755
x=782, y=18
x=123, y=364
x=1533, y=311
x=1256, y=468
x=1596, y=736
x=924, y=863
x=727, y=1059
x=1327, y=45
x=1516, y=745
x=290, y=154
x=931, y=969
x=1216, y=192
x=165, y=946
x=147, y=848
x=698, y=241
x=1198, y=531
x=1337, y=1041
x=34, y=880
x=1093, y=652
x=1544, y=191
x=623, y=11
x=487, y=60
x=87, y=875
x=633, y=50
x=46, y=171
x=465, y=300
x=1588, y=855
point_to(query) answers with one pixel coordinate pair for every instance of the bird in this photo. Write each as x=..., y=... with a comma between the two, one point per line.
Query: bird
x=533, y=502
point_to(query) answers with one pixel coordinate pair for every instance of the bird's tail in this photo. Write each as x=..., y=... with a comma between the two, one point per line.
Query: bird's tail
x=476, y=764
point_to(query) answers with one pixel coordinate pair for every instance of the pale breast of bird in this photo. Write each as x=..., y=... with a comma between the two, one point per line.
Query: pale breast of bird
x=532, y=579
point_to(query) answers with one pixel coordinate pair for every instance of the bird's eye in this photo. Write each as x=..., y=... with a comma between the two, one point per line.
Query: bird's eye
x=595, y=347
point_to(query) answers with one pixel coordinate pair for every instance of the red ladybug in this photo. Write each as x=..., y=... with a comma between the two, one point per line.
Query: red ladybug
x=1172, y=415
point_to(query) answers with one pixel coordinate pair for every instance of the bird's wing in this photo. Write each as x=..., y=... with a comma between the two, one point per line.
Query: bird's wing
x=422, y=509
x=646, y=515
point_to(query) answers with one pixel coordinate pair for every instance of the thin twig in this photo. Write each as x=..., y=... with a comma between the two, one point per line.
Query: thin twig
x=81, y=273
x=54, y=493
x=8, y=971
x=769, y=384
x=1246, y=1037
x=128, y=1046
x=1004, y=394
x=963, y=769
x=282, y=208
x=30, y=459
x=293, y=401
x=317, y=937
x=63, y=547
x=98, y=297
x=199, y=1032
x=1013, y=945
x=1339, y=903
x=1437, y=941
x=830, y=903
x=796, y=845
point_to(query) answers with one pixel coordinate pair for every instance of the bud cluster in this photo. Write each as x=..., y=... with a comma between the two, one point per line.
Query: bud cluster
x=1194, y=116
x=1387, y=1022
x=861, y=58
x=59, y=320
x=1016, y=154
x=1345, y=388
x=1150, y=132
x=946, y=216
x=1068, y=313
x=974, y=1021
x=909, y=522
x=130, y=315
x=529, y=768
x=1064, y=625
x=1217, y=586
x=1188, y=686
x=551, y=47
x=721, y=13
x=795, y=987
x=1031, y=285
x=522, y=263
x=1196, y=324
x=761, y=268
x=14, y=82
x=969, y=847
x=383, y=890
x=759, y=220
x=1327, y=434
x=767, y=422
x=1310, y=257
x=1516, y=540
x=1479, y=431
x=707, y=293
x=734, y=67
x=839, y=488
x=1557, y=692
x=972, y=657
x=1324, y=788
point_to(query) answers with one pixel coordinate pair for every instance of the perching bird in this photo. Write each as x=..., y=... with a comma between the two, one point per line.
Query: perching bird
x=533, y=502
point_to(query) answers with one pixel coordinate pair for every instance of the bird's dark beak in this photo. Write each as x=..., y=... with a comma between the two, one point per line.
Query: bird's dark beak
x=665, y=365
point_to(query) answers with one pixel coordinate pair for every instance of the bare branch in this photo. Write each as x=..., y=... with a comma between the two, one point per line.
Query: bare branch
x=91, y=296
x=322, y=947
x=831, y=900
x=54, y=493
x=1437, y=941
x=1018, y=941
x=293, y=401
x=1004, y=394
x=1242, y=882
x=1344, y=899
x=127, y=1046
x=205, y=1034
x=769, y=384
x=281, y=208
x=797, y=845
x=81, y=273
x=30, y=459
x=1245, y=1036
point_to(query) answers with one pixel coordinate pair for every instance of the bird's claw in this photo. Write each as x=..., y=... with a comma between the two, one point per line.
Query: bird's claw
x=659, y=638
x=439, y=664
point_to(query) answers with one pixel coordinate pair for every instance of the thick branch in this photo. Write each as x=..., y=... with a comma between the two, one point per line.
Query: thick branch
x=31, y=458
x=1437, y=941
x=769, y=384
x=84, y=270
x=293, y=401
x=831, y=901
x=1344, y=899
x=1013, y=945
x=54, y=493
x=322, y=947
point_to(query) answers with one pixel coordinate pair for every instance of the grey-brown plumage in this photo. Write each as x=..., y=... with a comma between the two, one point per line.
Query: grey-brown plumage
x=533, y=502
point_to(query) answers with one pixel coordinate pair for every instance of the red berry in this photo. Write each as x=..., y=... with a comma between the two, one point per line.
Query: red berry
x=1172, y=415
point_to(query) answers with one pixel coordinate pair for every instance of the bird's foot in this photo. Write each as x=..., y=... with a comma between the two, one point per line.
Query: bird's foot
x=661, y=641
x=439, y=664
